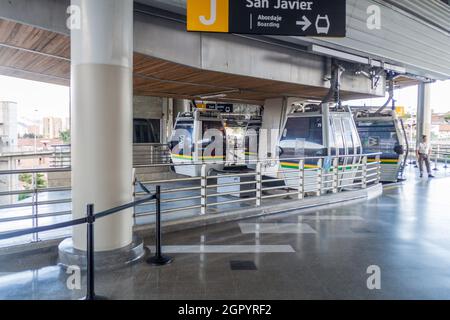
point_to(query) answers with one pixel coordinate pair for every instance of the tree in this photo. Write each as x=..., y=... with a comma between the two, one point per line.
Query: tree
x=31, y=136
x=65, y=136
x=27, y=181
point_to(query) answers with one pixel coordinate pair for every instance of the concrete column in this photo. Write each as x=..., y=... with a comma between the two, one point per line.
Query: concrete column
x=326, y=127
x=180, y=106
x=424, y=112
x=102, y=119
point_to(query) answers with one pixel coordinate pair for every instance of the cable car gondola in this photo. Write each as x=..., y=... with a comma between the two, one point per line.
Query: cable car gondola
x=192, y=136
x=384, y=132
x=311, y=131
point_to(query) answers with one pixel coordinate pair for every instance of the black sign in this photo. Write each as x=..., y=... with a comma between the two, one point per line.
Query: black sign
x=222, y=107
x=318, y=18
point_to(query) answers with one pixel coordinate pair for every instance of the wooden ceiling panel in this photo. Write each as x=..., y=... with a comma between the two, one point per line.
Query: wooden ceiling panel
x=35, y=54
x=34, y=63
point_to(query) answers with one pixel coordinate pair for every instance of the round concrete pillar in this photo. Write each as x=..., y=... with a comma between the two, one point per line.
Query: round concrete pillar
x=102, y=119
x=424, y=112
x=180, y=106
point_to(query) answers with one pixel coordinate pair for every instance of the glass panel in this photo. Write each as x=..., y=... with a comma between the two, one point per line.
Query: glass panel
x=303, y=137
x=183, y=135
x=338, y=136
x=147, y=131
x=205, y=142
x=348, y=135
x=379, y=136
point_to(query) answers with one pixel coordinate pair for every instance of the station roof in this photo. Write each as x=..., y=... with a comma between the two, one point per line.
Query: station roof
x=41, y=55
x=414, y=34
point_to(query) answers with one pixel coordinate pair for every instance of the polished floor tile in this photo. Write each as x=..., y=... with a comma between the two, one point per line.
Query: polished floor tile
x=226, y=249
x=405, y=234
x=276, y=228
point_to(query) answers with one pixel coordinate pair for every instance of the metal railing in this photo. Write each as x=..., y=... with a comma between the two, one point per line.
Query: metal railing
x=143, y=154
x=440, y=153
x=90, y=220
x=60, y=157
x=213, y=191
x=32, y=198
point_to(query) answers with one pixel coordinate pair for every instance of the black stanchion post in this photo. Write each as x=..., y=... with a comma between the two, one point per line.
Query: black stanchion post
x=90, y=264
x=159, y=259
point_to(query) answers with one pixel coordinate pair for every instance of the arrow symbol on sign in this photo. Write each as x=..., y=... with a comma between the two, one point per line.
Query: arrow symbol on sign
x=305, y=23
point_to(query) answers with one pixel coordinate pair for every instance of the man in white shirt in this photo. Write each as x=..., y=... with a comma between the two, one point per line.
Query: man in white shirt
x=423, y=155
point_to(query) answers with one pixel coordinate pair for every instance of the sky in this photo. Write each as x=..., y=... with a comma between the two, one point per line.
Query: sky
x=53, y=100
x=48, y=99
x=407, y=97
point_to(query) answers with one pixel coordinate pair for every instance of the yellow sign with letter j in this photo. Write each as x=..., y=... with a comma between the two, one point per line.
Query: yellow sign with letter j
x=208, y=15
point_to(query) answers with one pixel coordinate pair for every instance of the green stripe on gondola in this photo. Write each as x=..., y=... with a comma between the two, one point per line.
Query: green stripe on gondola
x=287, y=165
x=384, y=161
x=182, y=157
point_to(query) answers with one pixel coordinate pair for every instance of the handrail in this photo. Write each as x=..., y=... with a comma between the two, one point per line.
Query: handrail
x=40, y=170
x=124, y=207
x=24, y=232
x=249, y=161
x=142, y=190
x=90, y=220
x=100, y=215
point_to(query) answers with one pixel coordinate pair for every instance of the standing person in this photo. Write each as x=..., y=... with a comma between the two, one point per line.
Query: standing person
x=423, y=155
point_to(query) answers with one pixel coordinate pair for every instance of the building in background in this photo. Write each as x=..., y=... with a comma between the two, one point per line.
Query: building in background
x=9, y=137
x=52, y=127
x=66, y=124
x=32, y=130
x=8, y=126
x=440, y=128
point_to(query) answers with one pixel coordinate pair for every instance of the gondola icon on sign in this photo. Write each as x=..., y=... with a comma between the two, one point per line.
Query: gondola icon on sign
x=322, y=24
x=374, y=141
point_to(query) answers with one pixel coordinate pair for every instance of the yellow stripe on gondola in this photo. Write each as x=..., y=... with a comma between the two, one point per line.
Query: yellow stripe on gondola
x=183, y=157
x=179, y=156
x=212, y=158
x=384, y=161
x=289, y=165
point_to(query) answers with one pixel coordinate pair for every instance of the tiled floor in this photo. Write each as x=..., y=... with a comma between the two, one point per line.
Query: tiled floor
x=406, y=233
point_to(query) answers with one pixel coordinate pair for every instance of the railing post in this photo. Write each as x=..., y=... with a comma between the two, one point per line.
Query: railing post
x=259, y=184
x=301, y=179
x=158, y=259
x=436, y=160
x=34, y=207
x=378, y=162
x=134, y=195
x=336, y=175
x=90, y=251
x=364, y=173
x=319, y=177
x=204, y=190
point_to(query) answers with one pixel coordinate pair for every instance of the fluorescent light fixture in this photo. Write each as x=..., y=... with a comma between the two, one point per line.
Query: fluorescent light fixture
x=218, y=95
x=214, y=96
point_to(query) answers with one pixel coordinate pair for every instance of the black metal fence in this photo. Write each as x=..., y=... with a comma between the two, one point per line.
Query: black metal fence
x=90, y=220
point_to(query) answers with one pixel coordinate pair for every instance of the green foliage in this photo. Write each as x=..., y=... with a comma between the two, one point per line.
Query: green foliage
x=27, y=180
x=24, y=196
x=65, y=136
x=31, y=136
